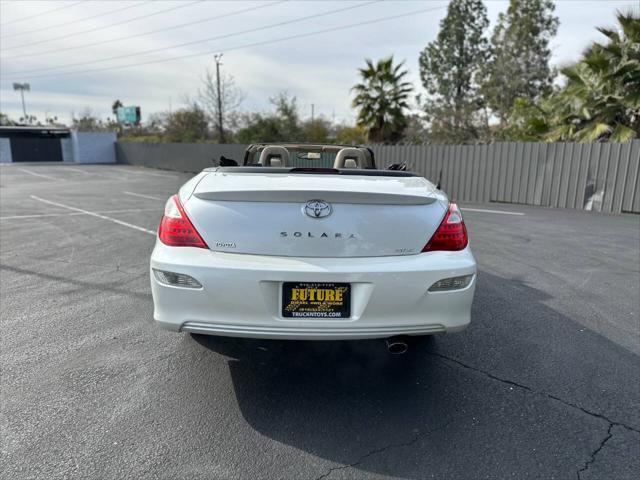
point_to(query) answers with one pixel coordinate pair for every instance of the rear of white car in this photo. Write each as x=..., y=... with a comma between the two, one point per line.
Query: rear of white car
x=296, y=254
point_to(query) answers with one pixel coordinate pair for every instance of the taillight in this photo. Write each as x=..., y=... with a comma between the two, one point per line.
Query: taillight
x=176, y=230
x=451, y=234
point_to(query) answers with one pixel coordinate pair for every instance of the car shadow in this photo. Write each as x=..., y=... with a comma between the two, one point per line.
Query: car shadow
x=491, y=401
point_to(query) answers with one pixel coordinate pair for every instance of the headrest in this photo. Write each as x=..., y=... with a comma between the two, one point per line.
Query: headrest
x=354, y=154
x=274, y=151
x=350, y=163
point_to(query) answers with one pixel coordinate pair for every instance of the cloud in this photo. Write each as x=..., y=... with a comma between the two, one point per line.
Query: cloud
x=318, y=69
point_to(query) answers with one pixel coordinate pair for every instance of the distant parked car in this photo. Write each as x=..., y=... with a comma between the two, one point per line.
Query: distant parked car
x=312, y=242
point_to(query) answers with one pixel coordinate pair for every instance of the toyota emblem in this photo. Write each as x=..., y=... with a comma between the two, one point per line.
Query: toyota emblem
x=317, y=209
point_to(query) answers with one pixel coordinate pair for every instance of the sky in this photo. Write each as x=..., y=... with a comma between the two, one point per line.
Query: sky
x=79, y=55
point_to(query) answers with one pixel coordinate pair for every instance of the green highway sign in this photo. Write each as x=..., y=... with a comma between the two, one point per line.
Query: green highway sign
x=128, y=115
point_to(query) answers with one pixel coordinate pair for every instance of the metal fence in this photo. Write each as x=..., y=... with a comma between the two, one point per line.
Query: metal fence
x=183, y=157
x=602, y=177
x=590, y=176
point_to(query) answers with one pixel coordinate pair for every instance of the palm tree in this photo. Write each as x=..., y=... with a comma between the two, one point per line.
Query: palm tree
x=601, y=100
x=114, y=107
x=381, y=99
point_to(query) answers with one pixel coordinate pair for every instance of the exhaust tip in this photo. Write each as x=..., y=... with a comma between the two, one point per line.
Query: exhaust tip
x=397, y=345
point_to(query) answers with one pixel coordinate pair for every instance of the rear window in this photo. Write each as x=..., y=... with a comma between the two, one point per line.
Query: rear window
x=300, y=158
x=309, y=156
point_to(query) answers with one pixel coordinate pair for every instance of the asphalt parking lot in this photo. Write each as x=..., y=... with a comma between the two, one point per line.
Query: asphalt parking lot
x=543, y=384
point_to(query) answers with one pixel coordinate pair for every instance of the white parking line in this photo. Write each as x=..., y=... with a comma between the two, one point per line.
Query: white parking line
x=94, y=214
x=490, y=211
x=165, y=175
x=39, y=215
x=37, y=174
x=77, y=170
x=143, y=196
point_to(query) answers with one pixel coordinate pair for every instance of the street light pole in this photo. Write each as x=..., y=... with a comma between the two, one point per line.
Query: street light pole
x=217, y=58
x=22, y=87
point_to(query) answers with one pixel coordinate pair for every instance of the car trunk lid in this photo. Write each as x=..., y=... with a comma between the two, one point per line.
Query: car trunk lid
x=306, y=215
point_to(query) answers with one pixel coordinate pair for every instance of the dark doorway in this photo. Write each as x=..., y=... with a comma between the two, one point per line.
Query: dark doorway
x=36, y=149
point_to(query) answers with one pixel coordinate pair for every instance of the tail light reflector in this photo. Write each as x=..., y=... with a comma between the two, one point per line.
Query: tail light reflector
x=451, y=235
x=452, y=283
x=176, y=279
x=176, y=230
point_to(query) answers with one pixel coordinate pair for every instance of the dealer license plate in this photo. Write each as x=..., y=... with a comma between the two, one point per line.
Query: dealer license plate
x=316, y=300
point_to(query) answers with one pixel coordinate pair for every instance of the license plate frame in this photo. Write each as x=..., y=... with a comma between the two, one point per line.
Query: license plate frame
x=334, y=303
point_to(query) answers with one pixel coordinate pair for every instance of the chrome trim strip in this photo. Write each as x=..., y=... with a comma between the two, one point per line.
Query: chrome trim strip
x=326, y=332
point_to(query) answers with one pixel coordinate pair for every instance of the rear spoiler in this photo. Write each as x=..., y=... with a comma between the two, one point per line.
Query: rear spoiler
x=301, y=196
x=365, y=172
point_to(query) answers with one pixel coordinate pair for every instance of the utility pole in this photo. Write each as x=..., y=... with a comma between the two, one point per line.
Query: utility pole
x=313, y=108
x=217, y=58
x=22, y=87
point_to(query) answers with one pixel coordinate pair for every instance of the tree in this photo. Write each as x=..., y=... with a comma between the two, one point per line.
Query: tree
x=519, y=63
x=221, y=106
x=601, y=100
x=529, y=121
x=51, y=120
x=315, y=131
x=116, y=123
x=157, y=122
x=416, y=132
x=87, y=122
x=5, y=120
x=350, y=135
x=381, y=99
x=288, y=116
x=449, y=70
x=282, y=125
x=115, y=106
x=188, y=124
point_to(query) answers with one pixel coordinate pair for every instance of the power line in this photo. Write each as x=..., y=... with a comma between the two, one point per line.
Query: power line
x=165, y=29
x=47, y=12
x=92, y=30
x=208, y=39
x=247, y=45
x=49, y=27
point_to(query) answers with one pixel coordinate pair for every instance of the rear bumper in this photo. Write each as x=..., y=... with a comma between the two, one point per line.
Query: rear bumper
x=240, y=294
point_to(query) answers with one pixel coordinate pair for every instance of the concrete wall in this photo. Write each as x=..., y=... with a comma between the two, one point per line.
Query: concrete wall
x=603, y=177
x=184, y=157
x=94, y=147
x=66, y=144
x=81, y=147
x=5, y=150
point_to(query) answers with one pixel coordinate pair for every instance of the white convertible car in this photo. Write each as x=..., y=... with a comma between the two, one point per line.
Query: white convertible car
x=312, y=242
